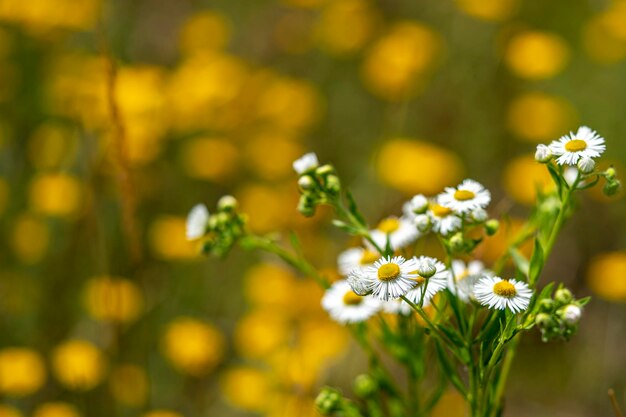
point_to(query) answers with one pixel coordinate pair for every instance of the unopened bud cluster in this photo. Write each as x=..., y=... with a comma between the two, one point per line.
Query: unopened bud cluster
x=317, y=184
x=558, y=316
x=217, y=232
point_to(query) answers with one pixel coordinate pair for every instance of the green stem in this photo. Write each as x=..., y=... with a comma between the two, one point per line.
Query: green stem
x=268, y=245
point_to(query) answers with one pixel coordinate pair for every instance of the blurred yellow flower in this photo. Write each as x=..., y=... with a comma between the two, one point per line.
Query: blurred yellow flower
x=213, y=159
x=489, y=10
x=272, y=165
x=78, y=364
x=30, y=238
x=539, y=117
x=345, y=26
x=52, y=146
x=289, y=103
x=168, y=241
x=22, y=371
x=396, y=66
x=523, y=176
x=322, y=339
x=260, y=333
x=536, y=55
x=246, y=388
x=129, y=385
x=202, y=87
x=40, y=15
x=606, y=276
x=604, y=38
x=56, y=194
x=292, y=404
x=192, y=346
x=297, y=366
x=113, y=299
x=207, y=30
x=56, y=409
x=161, y=413
x=307, y=4
x=451, y=404
x=9, y=411
x=271, y=208
x=413, y=166
x=272, y=286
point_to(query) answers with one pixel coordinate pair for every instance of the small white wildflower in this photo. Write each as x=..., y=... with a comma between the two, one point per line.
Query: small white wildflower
x=416, y=205
x=584, y=143
x=465, y=197
x=500, y=294
x=355, y=258
x=401, y=232
x=431, y=285
x=390, y=278
x=305, y=163
x=571, y=314
x=543, y=154
x=345, y=306
x=197, y=221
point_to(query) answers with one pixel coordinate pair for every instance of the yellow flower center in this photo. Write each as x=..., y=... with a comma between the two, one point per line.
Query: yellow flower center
x=462, y=276
x=388, y=272
x=440, y=211
x=419, y=280
x=368, y=257
x=352, y=299
x=389, y=225
x=505, y=289
x=463, y=195
x=575, y=145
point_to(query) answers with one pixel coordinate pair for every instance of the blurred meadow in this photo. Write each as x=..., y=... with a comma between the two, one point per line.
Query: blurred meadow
x=117, y=116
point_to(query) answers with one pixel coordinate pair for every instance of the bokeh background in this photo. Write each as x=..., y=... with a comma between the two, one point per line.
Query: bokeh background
x=118, y=116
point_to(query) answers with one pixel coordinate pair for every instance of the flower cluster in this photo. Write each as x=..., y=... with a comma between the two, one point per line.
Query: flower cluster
x=318, y=184
x=217, y=232
x=577, y=151
x=559, y=315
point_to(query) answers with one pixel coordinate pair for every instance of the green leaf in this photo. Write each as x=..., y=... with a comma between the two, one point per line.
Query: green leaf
x=583, y=301
x=590, y=184
x=557, y=178
x=536, y=263
x=449, y=370
x=520, y=261
x=345, y=227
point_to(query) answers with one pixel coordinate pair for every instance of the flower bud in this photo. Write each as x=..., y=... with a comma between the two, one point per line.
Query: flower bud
x=332, y=184
x=306, y=183
x=325, y=170
x=305, y=163
x=543, y=154
x=227, y=203
x=365, y=385
x=610, y=173
x=563, y=296
x=543, y=320
x=586, y=165
x=456, y=242
x=546, y=304
x=492, y=226
x=358, y=284
x=479, y=215
x=418, y=204
x=222, y=219
x=571, y=314
x=611, y=187
x=423, y=223
x=327, y=401
x=306, y=206
x=426, y=268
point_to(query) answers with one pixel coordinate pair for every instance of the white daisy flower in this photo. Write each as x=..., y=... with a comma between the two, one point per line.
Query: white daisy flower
x=416, y=205
x=305, y=163
x=355, y=258
x=466, y=276
x=197, y=220
x=465, y=197
x=584, y=143
x=397, y=306
x=500, y=294
x=444, y=220
x=344, y=306
x=389, y=278
x=401, y=232
x=432, y=285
